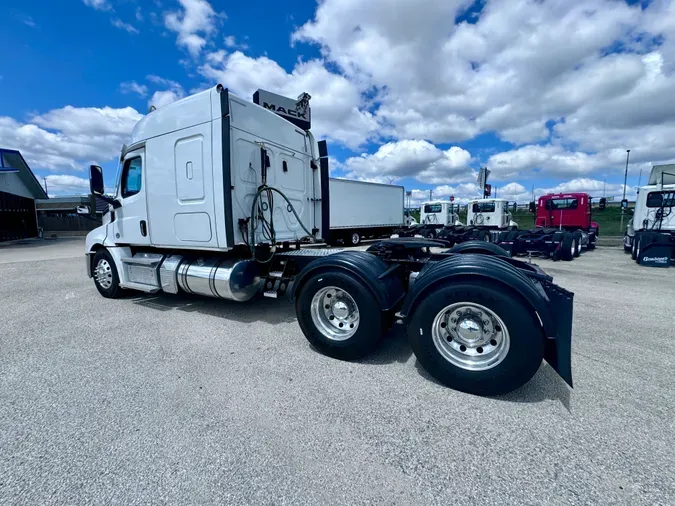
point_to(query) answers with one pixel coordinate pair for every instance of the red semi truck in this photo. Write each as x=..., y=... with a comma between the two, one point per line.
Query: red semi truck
x=563, y=227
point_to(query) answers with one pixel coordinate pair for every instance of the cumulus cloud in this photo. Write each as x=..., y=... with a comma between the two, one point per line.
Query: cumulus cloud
x=412, y=158
x=161, y=98
x=66, y=183
x=338, y=108
x=592, y=76
x=71, y=137
x=194, y=24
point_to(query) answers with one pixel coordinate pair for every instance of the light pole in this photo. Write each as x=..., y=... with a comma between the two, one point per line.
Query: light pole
x=625, y=180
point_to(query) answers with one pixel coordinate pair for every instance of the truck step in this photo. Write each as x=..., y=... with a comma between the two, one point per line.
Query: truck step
x=140, y=286
x=149, y=259
x=310, y=252
x=272, y=294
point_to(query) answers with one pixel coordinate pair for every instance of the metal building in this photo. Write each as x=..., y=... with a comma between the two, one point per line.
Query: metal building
x=18, y=190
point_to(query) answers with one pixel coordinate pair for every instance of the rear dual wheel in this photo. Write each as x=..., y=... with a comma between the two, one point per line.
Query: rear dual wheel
x=577, y=244
x=339, y=315
x=477, y=338
x=568, y=246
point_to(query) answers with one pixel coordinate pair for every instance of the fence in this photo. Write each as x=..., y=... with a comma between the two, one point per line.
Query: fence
x=67, y=223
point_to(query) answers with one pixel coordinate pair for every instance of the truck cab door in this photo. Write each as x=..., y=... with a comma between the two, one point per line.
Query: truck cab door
x=131, y=219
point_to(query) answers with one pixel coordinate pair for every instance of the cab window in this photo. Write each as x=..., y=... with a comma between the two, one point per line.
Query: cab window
x=432, y=208
x=562, y=204
x=131, y=177
x=483, y=207
x=658, y=199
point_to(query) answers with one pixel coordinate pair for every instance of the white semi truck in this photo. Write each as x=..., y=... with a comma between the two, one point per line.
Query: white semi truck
x=434, y=216
x=360, y=210
x=650, y=234
x=216, y=196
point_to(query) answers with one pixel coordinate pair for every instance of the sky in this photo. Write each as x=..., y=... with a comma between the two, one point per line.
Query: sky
x=548, y=94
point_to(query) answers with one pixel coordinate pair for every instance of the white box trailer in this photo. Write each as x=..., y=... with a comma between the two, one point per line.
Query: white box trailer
x=359, y=209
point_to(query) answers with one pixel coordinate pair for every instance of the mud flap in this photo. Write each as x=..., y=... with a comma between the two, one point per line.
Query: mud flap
x=558, y=350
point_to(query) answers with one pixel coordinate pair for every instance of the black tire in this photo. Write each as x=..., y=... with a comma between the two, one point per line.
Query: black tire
x=567, y=246
x=486, y=248
x=526, y=348
x=371, y=319
x=101, y=259
x=577, y=244
x=430, y=234
x=483, y=235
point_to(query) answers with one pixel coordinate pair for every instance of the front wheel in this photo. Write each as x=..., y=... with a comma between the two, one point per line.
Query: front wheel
x=477, y=338
x=105, y=275
x=339, y=316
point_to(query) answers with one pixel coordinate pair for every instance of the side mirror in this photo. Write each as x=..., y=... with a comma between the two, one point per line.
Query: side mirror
x=603, y=204
x=96, y=180
x=624, y=204
x=97, y=188
x=533, y=207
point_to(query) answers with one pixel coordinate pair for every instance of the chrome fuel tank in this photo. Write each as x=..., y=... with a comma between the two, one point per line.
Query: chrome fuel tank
x=230, y=279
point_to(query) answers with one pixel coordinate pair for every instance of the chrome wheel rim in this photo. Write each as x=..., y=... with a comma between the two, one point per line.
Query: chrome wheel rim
x=103, y=274
x=335, y=313
x=470, y=336
x=355, y=238
x=573, y=248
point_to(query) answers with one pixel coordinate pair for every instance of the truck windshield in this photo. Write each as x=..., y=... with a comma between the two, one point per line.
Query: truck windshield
x=562, y=204
x=432, y=208
x=483, y=207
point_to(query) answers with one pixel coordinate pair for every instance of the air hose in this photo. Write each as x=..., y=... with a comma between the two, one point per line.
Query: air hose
x=269, y=225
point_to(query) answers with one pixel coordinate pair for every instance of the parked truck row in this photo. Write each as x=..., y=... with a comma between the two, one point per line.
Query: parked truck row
x=226, y=198
x=563, y=225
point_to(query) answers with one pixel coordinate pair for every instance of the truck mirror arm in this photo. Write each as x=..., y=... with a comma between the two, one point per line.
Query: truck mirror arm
x=110, y=200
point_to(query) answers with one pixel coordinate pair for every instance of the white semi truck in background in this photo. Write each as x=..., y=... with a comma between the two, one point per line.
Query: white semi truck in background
x=439, y=219
x=650, y=234
x=217, y=195
x=360, y=210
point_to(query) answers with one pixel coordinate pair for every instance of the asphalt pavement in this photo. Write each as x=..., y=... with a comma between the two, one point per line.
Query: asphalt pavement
x=186, y=400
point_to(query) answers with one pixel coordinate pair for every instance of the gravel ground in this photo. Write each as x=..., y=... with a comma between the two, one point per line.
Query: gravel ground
x=169, y=399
